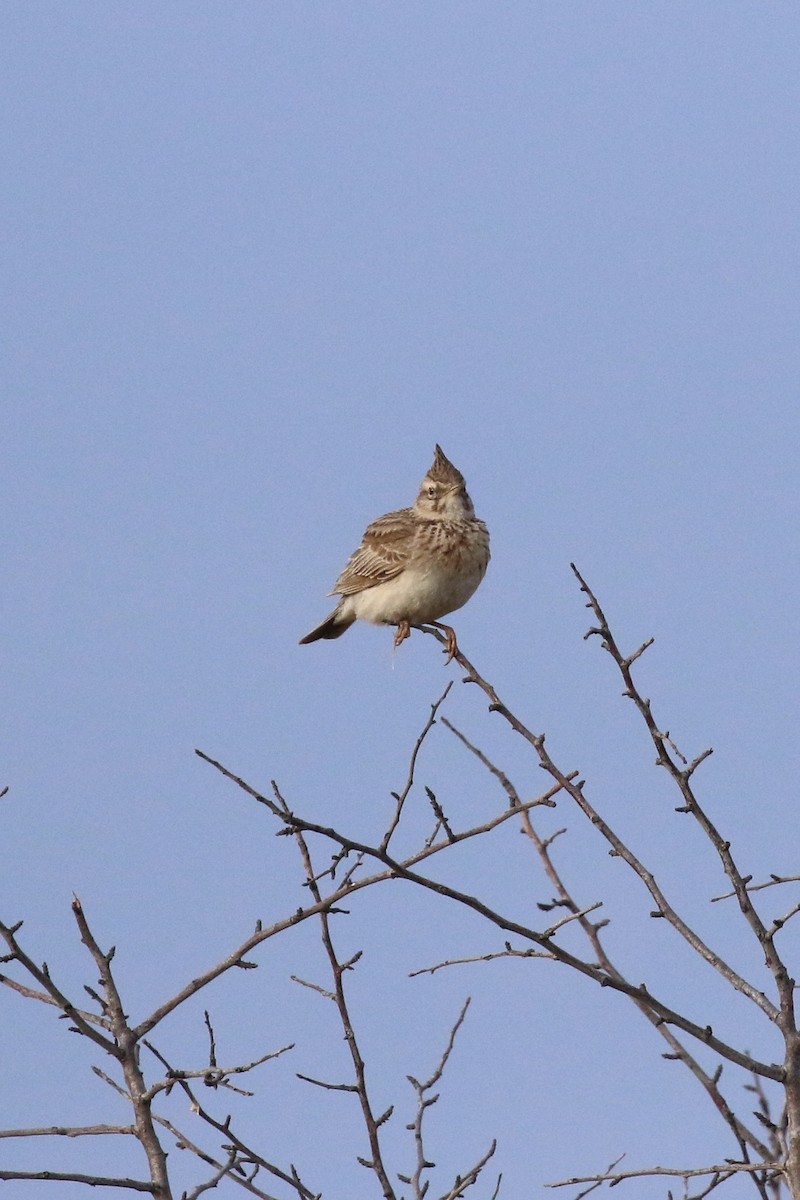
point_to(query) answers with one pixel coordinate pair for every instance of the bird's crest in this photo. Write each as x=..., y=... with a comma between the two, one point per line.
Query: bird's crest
x=443, y=470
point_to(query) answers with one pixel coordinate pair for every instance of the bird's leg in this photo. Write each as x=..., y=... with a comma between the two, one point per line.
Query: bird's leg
x=402, y=632
x=451, y=648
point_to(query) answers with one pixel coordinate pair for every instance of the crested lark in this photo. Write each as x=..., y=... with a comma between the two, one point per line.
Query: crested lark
x=415, y=565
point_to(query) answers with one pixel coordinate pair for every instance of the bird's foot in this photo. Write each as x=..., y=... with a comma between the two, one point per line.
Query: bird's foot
x=402, y=632
x=451, y=648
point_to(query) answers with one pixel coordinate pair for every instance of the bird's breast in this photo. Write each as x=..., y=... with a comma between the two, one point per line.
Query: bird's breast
x=446, y=562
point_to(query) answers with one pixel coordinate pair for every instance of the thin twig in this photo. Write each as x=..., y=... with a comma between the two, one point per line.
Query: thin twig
x=681, y=776
x=247, y=1153
x=424, y=1102
x=462, y=1182
x=402, y=796
x=727, y=1168
x=224, y=1170
x=235, y=1173
x=745, y=1136
x=127, y=1052
x=57, y=997
x=372, y=1120
x=211, y=1076
x=134, y=1185
x=402, y=870
x=70, y=1131
x=773, y=881
x=500, y=776
x=30, y=993
x=480, y=958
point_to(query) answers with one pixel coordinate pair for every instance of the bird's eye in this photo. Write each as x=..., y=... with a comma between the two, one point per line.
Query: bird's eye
x=431, y=491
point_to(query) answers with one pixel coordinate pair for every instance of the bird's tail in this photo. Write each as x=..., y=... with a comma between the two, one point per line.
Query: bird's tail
x=332, y=627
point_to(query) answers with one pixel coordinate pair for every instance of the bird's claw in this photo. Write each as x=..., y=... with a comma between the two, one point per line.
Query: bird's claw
x=451, y=645
x=402, y=632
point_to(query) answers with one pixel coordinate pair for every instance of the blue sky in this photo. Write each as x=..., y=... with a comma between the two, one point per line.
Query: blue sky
x=260, y=258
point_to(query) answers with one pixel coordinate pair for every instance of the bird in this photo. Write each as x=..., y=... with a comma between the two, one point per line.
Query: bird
x=415, y=565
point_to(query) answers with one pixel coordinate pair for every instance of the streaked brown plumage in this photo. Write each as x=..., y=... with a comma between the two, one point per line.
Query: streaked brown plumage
x=414, y=565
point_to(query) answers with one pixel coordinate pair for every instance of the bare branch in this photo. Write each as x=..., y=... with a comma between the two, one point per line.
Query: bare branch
x=441, y=820
x=57, y=997
x=784, y=1016
x=744, y=1136
x=127, y=1053
x=572, y=916
x=372, y=1122
x=237, y=957
x=424, y=1101
x=70, y=1131
x=401, y=870
x=599, y=1183
x=211, y=1076
x=247, y=1153
x=462, y=1182
x=576, y=791
x=313, y=987
x=775, y=1143
x=402, y=796
x=773, y=881
x=329, y=1087
x=32, y=994
x=779, y=922
x=476, y=958
x=722, y=1170
x=235, y=1173
x=135, y=1185
x=225, y=1169
x=681, y=776
x=500, y=776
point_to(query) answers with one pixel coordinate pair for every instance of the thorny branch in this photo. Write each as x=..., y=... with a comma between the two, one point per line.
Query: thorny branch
x=425, y=1099
x=106, y=1181
x=402, y=796
x=246, y=1156
x=776, y=1144
x=372, y=1120
x=681, y=771
x=681, y=776
x=592, y=930
x=397, y=869
x=575, y=788
x=721, y=1170
x=128, y=1054
x=70, y=1131
x=124, y=1048
x=773, y=881
x=665, y=1018
x=50, y=991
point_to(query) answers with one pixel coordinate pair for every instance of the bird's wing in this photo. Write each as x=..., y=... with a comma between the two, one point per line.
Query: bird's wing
x=382, y=555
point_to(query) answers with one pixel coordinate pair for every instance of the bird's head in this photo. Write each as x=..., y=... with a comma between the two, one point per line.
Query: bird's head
x=443, y=491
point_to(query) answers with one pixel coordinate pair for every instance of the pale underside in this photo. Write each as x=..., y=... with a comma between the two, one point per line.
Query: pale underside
x=412, y=568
